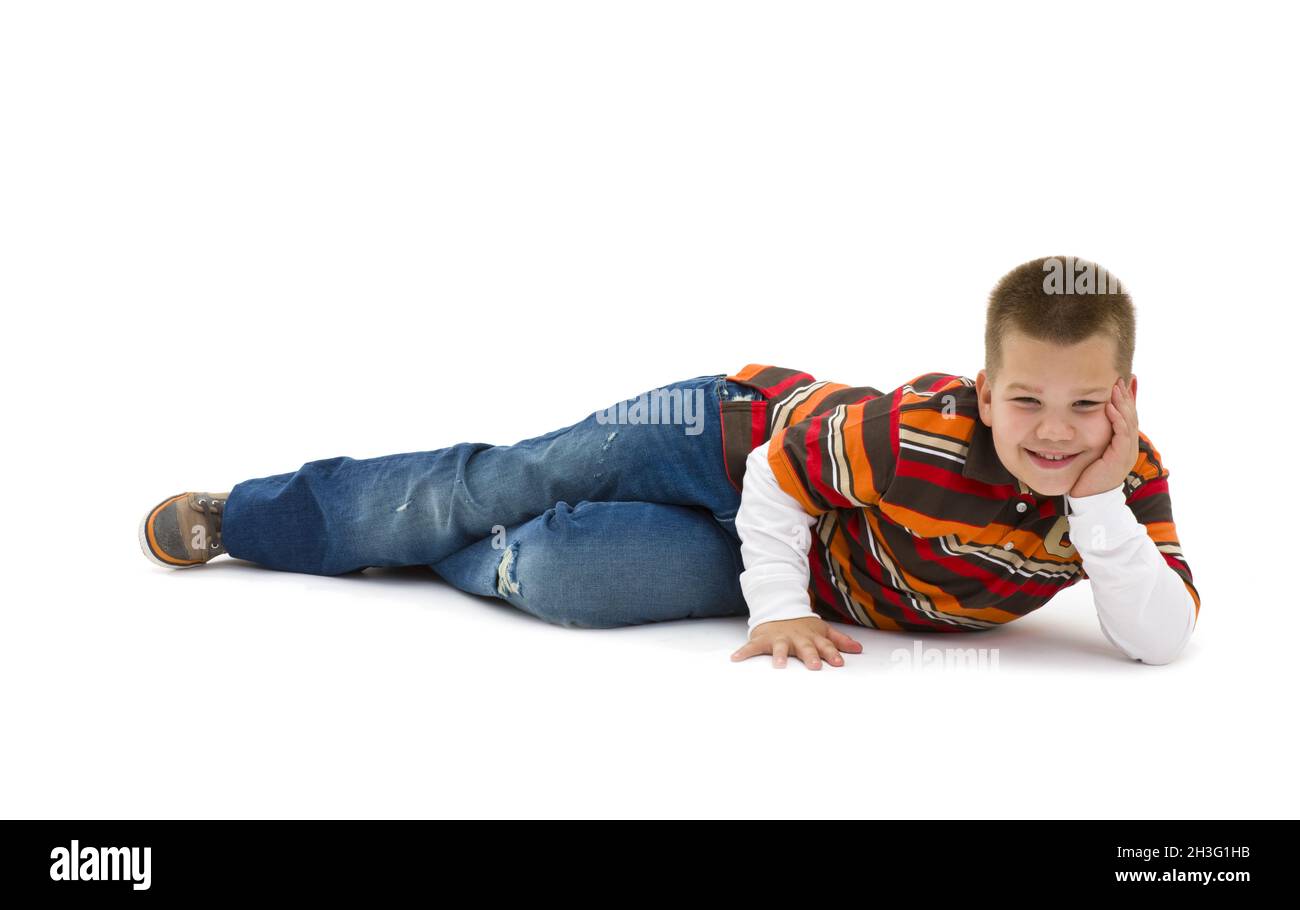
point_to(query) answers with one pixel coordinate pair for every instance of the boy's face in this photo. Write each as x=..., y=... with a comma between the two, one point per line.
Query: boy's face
x=1066, y=414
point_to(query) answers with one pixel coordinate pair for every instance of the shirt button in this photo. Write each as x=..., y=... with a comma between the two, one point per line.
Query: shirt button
x=1020, y=507
x=1008, y=545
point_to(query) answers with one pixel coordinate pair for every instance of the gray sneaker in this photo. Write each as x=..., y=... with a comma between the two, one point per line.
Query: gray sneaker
x=184, y=530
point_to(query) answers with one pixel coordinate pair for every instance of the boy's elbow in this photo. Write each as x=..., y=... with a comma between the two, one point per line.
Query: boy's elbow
x=1158, y=650
x=1160, y=657
x=1147, y=653
x=1158, y=660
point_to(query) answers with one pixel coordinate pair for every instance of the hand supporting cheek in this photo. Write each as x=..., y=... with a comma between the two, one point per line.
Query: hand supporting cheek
x=1108, y=471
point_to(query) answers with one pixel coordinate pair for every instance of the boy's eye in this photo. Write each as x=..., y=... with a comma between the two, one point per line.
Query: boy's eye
x=1083, y=402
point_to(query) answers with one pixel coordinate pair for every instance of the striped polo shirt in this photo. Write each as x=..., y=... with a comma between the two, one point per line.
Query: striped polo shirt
x=920, y=525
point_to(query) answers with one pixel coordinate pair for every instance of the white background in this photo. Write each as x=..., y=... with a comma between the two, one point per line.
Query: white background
x=235, y=237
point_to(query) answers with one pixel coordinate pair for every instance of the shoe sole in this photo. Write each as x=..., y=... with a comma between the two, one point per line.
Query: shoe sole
x=144, y=538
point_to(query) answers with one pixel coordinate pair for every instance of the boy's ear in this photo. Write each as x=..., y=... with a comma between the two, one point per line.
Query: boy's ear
x=984, y=394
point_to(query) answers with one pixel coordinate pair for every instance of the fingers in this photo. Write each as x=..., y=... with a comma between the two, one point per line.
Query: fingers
x=1123, y=420
x=750, y=649
x=844, y=642
x=807, y=652
x=810, y=649
x=830, y=652
x=780, y=651
x=1116, y=407
x=1123, y=402
x=1116, y=421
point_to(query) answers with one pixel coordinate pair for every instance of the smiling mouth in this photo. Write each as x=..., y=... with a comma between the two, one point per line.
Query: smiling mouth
x=1051, y=460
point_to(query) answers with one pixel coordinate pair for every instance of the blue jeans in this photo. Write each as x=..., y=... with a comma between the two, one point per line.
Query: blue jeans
x=625, y=517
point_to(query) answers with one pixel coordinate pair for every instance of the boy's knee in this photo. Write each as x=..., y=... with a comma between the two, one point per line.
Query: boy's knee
x=507, y=584
x=534, y=587
x=534, y=573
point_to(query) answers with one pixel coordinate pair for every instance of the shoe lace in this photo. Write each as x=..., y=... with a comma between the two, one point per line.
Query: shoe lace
x=214, y=508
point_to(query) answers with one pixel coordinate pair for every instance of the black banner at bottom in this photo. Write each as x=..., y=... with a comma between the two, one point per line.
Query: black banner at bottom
x=817, y=860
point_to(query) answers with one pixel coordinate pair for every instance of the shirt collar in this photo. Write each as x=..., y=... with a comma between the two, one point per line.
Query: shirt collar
x=982, y=462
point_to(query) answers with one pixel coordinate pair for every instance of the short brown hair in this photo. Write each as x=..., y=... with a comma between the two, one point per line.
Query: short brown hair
x=1062, y=300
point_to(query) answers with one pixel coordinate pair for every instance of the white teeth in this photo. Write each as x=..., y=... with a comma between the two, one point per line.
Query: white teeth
x=1050, y=457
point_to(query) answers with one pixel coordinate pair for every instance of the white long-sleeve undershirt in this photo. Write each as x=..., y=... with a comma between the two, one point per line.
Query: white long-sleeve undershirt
x=775, y=536
x=1143, y=606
